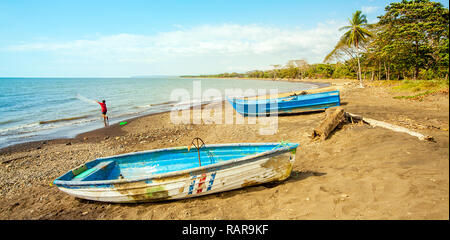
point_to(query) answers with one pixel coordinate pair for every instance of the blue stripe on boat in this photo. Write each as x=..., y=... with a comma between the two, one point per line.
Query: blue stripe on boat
x=211, y=181
x=191, y=187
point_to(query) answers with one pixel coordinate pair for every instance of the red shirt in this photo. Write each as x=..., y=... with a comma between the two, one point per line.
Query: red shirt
x=103, y=105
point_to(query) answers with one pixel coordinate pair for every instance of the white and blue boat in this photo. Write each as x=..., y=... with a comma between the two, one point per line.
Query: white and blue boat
x=180, y=172
x=286, y=105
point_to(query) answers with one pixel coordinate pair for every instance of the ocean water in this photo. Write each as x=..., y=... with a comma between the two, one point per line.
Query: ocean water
x=34, y=109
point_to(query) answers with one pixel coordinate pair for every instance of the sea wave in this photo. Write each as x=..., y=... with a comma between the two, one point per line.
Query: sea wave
x=42, y=126
x=63, y=119
x=168, y=103
x=8, y=121
x=163, y=103
x=18, y=128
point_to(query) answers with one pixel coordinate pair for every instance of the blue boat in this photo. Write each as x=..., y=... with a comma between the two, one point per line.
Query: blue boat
x=180, y=172
x=290, y=104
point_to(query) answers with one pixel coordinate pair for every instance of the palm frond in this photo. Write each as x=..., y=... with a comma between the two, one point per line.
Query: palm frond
x=345, y=28
x=342, y=43
x=356, y=35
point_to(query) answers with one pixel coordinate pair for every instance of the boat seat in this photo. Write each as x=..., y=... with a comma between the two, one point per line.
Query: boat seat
x=97, y=172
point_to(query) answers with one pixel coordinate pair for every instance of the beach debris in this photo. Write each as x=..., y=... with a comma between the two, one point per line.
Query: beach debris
x=337, y=116
x=344, y=195
x=301, y=93
x=122, y=123
x=334, y=117
x=17, y=158
x=396, y=128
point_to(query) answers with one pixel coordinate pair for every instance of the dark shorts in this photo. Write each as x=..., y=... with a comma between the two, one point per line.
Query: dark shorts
x=104, y=113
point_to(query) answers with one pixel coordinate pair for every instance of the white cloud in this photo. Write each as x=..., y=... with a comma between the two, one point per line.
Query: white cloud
x=242, y=45
x=369, y=9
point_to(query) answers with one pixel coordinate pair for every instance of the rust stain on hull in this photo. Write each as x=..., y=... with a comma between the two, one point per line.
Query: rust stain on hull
x=248, y=183
x=140, y=192
x=281, y=165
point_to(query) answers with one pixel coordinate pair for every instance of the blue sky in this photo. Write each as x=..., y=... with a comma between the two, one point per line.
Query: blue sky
x=127, y=38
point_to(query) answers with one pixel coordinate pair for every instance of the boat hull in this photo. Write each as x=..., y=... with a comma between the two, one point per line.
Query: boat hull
x=287, y=105
x=276, y=166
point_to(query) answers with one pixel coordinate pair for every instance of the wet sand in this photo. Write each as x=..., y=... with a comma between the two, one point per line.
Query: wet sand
x=360, y=172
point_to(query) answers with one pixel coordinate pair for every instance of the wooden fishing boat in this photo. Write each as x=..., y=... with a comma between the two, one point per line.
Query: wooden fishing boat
x=180, y=172
x=286, y=105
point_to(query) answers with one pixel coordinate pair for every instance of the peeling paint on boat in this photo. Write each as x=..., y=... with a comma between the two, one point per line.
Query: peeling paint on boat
x=234, y=168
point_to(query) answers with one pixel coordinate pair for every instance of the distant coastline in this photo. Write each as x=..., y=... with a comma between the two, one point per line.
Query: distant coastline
x=322, y=82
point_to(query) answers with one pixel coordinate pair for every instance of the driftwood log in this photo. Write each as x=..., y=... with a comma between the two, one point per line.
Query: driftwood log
x=336, y=116
x=17, y=158
x=396, y=128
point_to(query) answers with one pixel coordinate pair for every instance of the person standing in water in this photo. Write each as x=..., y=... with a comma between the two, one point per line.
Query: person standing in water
x=104, y=110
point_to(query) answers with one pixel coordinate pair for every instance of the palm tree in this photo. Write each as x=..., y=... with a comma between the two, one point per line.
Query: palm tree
x=356, y=36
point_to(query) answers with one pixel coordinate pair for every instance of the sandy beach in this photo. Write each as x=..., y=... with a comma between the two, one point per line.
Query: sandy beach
x=360, y=172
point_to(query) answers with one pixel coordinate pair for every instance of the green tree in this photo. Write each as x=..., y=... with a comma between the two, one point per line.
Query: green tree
x=355, y=38
x=416, y=35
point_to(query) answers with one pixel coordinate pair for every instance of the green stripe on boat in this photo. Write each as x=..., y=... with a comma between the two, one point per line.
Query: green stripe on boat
x=85, y=173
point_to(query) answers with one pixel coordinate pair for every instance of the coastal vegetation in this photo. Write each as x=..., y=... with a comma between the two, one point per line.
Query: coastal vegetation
x=353, y=40
x=409, y=42
x=415, y=89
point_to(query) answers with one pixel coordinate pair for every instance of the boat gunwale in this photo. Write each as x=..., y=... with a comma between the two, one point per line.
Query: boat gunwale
x=280, y=113
x=244, y=101
x=61, y=183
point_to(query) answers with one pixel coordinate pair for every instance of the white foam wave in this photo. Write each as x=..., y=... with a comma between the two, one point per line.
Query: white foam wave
x=37, y=127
